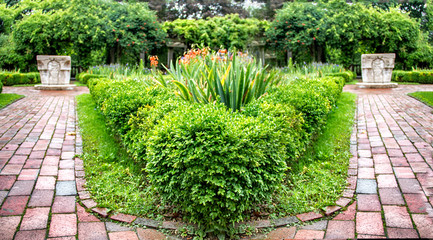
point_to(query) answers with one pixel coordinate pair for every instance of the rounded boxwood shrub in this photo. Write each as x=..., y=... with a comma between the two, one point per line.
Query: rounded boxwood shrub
x=214, y=164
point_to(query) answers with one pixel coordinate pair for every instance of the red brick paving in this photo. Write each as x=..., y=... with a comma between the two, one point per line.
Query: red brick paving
x=63, y=225
x=35, y=218
x=125, y=235
x=32, y=234
x=369, y=223
x=393, y=136
x=92, y=230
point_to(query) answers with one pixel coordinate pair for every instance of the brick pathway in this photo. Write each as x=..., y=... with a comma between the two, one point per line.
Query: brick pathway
x=391, y=174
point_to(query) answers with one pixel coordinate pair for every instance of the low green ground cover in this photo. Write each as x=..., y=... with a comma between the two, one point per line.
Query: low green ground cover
x=425, y=97
x=8, y=98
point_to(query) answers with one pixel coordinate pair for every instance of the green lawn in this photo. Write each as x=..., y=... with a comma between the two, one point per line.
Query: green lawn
x=425, y=97
x=319, y=177
x=116, y=182
x=8, y=98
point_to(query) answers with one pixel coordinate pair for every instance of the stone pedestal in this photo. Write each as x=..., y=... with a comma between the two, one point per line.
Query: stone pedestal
x=377, y=70
x=55, y=72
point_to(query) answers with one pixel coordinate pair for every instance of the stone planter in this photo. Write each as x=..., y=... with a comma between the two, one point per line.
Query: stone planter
x=377, y=70
x=55, y=72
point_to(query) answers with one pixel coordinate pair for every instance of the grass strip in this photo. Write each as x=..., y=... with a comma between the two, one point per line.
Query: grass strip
x=319, y=177
x=425, y=97
x=8, y=98
x=113, y=179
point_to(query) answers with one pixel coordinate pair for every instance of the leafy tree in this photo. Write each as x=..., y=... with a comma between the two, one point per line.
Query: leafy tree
x=230, y=31
x=88, y=30
x=346, y=31
x=297, y=29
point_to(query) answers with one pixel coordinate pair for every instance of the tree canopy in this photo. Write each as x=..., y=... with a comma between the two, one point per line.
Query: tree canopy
x=88, y=30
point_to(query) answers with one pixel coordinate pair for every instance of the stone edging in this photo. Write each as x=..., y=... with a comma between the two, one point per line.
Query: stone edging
x=341, y=203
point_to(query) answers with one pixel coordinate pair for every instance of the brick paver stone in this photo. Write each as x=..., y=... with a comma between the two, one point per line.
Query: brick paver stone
x=409, y=185
x=14, y=205
x=150, y=234
x=84, y=216
x=115, y=227
x=417, y=203
x=386, y=181
x=368, y=203
x=391, y=196
x=63, y=225
x=349, y=214
x=46, y=183
x=402, y=233
x=12, y=169
x=41, y=198
x=8, y=226
x=424, y=225
x=309, y=234
x=28, y=174
x=404, y=172
x=367, y=186
x=32, y=234
x=6, y=182
x=92, y=230
x=64, y=188
x=22, y=188
x=340, y=229
x=64, y=204
x=35, y=218
x=369, y=223
x=397, y=216
x=127, y=235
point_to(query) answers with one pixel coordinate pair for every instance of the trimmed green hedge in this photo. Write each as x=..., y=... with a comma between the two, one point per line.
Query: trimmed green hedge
x=347, y=75
x=210, y=163
x=1, y=86
x=84, y=77
x=421, y=76
x=10, y=79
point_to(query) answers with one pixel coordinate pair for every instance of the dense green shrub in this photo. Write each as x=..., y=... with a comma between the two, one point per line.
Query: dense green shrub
x=204, y=160
x=84, y=77
x=420, y=76
x=1, y=86
x=213, y=164
x=347, y=75
x=15, y=78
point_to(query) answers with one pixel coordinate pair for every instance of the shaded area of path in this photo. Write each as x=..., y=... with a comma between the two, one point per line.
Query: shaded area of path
x=390, y=175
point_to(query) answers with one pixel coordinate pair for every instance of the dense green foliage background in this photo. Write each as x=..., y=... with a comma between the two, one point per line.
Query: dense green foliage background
x=107, y=31
x=91, y=31
x=339, y=32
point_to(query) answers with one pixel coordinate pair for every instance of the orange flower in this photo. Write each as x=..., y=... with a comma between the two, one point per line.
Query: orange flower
x=223, y=51
x=117, y=40
x=114, y=30
x=303, y=24
x=314, y=38
x=127, y=25
x=153, y=61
